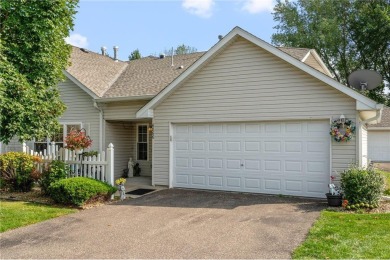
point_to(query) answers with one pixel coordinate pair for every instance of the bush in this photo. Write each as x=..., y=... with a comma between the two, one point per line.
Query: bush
x=362, y=185
x=56, y=171
x=76, y=191
x=18, y=171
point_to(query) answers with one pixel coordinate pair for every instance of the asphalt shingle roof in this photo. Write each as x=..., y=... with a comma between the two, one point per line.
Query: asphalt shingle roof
x=108, y=78
x=385, y=121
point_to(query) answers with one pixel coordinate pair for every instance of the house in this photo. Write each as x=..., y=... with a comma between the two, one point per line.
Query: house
x=243, y=116
x=379, y=139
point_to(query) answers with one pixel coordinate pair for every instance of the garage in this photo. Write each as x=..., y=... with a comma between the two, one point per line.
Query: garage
x=289, y=158
x=379, y=146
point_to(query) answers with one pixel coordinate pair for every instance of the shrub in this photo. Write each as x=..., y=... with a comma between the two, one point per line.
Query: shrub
x=76, y=191
x=362, y=185
x=18, y=171
x=56, y=171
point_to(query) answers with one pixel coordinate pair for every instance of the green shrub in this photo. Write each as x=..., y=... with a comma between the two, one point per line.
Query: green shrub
x=18, y=171
x=76, y=191
x=362, y=185
x=56, y=171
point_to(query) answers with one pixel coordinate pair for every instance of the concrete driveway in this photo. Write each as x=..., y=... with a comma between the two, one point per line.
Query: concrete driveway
x=172, y=224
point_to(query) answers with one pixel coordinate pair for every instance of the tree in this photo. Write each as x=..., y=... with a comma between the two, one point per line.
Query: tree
x=33, y=55
x=348, y=34
x=184, y=49
x=135, y=55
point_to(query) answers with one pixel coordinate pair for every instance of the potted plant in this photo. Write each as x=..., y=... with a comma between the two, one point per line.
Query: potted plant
x=334, y=196
x=77, y=140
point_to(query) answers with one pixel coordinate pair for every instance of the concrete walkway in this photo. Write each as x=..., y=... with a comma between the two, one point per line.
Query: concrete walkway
x=172, y=224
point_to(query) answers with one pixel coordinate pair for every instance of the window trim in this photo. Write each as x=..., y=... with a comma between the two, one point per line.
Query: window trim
x=147, y=141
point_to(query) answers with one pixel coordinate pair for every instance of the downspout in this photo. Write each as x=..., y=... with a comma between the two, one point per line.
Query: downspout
x=378, y=114
x=95, y=105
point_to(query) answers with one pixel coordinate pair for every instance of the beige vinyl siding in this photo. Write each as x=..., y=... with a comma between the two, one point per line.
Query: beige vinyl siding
x=311, y=61
x=122, y=110
x=13, y=146
x=123, y=136
x=246, y=83
x=80, y=109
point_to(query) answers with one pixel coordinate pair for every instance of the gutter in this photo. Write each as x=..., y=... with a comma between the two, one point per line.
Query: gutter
x=131, y=98
x=95, y=105
x=377, y=116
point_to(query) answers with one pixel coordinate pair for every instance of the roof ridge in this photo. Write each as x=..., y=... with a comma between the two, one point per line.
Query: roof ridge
x=111, y=83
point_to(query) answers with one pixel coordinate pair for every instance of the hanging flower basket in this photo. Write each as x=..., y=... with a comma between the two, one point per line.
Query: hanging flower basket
x=342, y=132
x=77, y=140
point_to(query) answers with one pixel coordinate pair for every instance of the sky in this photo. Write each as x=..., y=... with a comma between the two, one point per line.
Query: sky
x=153, y=26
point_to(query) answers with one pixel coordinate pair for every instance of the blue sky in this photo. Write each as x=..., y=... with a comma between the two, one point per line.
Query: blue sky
x=155, y=26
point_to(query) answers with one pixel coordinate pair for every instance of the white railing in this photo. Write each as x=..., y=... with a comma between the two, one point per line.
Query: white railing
x=100, y=167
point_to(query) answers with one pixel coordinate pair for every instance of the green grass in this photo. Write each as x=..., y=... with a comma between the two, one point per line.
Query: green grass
x=387, y=180
x=14, y=214
x=346, y=235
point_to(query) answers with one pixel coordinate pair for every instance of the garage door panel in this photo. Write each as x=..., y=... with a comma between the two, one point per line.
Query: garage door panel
x=289, y=158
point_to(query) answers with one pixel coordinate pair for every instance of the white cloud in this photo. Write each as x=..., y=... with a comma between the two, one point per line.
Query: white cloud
x=258, y=6
x=77, y=40
x=202, y=8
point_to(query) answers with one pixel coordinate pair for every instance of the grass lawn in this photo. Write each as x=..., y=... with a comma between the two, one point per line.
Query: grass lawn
x=346, y=235
x=15, y=214
x=387, y=179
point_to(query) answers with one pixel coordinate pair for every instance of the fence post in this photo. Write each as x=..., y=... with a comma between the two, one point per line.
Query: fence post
x=110, y=164
x=24, y=147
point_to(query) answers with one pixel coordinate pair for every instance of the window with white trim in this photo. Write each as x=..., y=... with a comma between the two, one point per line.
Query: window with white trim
x=142, y=142
x=58, y=138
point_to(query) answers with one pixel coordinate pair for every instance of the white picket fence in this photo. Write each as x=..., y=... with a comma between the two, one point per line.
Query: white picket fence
x=100, y=167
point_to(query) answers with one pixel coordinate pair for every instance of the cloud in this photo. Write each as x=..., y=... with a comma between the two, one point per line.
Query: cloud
x=202, y=8
x=77, y=40
x=258, y=6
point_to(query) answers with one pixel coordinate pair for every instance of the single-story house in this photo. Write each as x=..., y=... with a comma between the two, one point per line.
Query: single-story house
x=379, y=139
x=244, y=116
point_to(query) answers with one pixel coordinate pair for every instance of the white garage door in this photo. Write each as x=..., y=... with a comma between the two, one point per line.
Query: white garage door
x=290, y=158
x=379, y=146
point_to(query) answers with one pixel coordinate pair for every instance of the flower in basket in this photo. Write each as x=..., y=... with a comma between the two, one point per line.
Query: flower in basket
x=77, y=140
x=120, y=181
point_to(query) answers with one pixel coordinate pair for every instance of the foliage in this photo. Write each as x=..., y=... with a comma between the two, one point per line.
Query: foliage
x=386, y=176
x=14, y=214
x=362, y=185
x=338, y=235
x=33, y=54
x=135, y=55
x=77, y=140
x=348, y=34
x=56, y=171
x=184, y=49
x=76, y=191
x=90, y=153
x=17, y=170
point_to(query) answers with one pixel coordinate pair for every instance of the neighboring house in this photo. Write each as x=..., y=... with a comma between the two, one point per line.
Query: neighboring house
x=244, y=116
x=379, y=139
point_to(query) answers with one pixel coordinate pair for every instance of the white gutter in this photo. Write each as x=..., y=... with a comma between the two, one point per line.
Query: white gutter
x=95, y=105
x=377, y=116
x=113, y=99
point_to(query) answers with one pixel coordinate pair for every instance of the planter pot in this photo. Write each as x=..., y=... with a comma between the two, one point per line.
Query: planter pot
x=79, y=151
x=334, y=200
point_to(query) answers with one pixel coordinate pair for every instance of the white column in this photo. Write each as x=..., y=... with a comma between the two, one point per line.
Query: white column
x=110, y=164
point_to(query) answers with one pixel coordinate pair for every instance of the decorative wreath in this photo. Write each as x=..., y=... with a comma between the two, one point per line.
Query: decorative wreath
x=336, y=133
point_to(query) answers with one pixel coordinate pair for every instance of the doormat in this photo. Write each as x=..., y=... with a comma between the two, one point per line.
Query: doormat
x=139, y=191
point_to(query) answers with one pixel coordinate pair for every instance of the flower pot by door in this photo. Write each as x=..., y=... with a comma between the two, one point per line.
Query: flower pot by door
x=334, y=200
x=79, y=151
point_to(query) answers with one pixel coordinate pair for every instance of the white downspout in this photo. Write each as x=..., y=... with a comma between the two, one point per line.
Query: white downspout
x=100, y=125
x=378, y=115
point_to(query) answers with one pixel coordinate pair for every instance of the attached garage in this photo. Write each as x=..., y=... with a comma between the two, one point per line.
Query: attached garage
x=290, y=158
x=379, y=139
x=249, y=117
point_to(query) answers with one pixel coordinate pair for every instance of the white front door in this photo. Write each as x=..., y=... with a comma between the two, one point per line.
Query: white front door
x=290, y=158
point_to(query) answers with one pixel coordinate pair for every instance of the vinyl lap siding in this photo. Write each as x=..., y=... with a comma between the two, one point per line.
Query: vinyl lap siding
x=246, y=83
x=80, y=109
x=123, y=110
x=364, y=147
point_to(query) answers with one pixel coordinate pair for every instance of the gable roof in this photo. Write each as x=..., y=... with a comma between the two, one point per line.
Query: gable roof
x=96, y=72
x=385, y=121
x=297, y=53
x=147, y=76
x=147, y=110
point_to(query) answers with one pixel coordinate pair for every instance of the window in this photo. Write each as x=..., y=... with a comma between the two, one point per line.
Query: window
x=58, y=137
x=142, y=142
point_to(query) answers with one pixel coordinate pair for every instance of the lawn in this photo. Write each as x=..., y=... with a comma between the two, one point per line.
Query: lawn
x=15, y=214
x=346, y=235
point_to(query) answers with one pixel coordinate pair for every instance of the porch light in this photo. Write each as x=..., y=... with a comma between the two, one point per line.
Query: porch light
x=150, y=129
x=342, y=119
